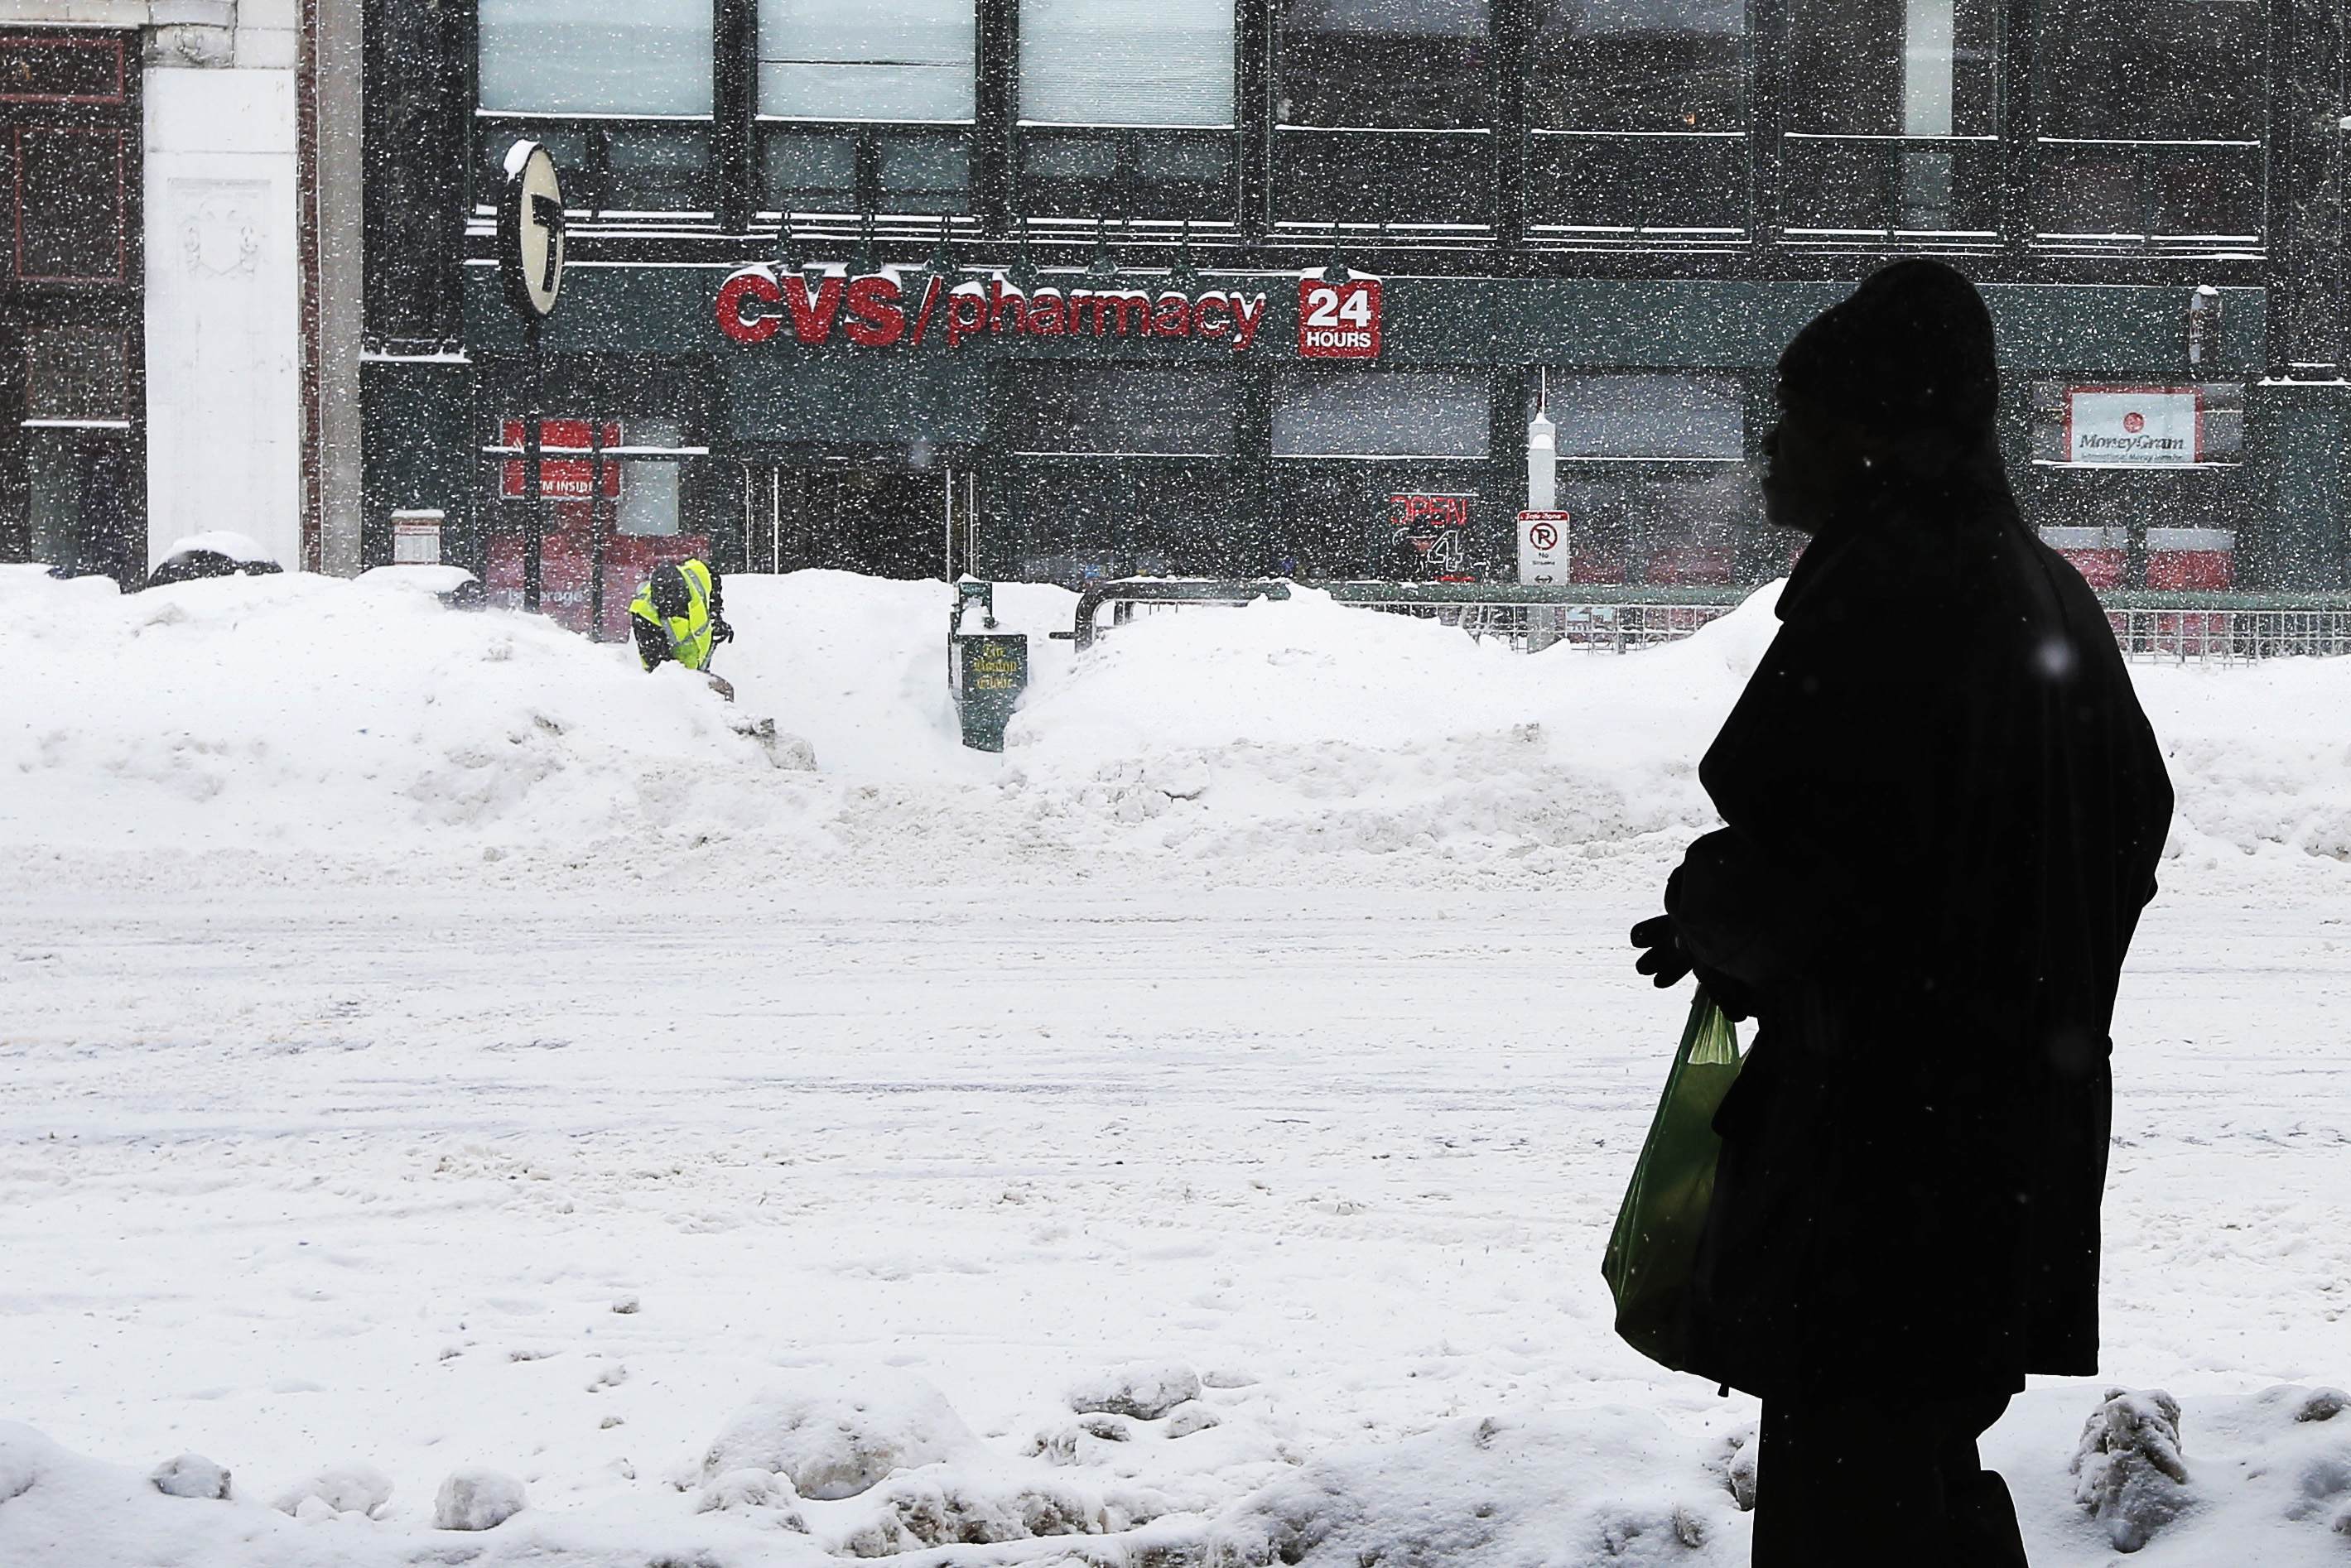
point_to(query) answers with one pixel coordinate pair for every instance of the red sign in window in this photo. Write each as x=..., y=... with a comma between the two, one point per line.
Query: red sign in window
x=567, y=461
x=1338, y=320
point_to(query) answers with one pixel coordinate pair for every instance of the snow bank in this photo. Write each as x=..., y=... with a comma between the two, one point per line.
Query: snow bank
x=298, y=710
x=1271, y=740
x=1307, y=727
x=2262, y=1477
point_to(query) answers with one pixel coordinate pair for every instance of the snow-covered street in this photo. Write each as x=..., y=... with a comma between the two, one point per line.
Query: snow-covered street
x=300, y=1177
x=460, y=1051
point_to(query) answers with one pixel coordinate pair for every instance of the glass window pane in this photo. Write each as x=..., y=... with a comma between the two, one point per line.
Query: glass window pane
x=69, y=203
x=1648, y=415
x=1844, y=186
x=867, y=59
x=1382, y=64
x=1892, y=68
x=1371, y=177
x=1124, y=408
x=1638, y=181
x=650, y=491
x=656, y=167
x=1126, y=62
x=924, y=176
x=77, y=373
x=810, y=169
x=1391, y=413
x=2196, y=68
x=1638, y=65
x=591, y=56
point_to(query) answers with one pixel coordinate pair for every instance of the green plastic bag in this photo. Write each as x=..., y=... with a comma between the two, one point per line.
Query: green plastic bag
x=1656, y=1240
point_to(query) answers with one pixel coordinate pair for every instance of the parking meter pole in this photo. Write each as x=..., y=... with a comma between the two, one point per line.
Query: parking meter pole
x=596, y=521
x=986, y=671
x=533, y=542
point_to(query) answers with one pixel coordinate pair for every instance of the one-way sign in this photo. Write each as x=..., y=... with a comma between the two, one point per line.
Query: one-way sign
x=530, y=231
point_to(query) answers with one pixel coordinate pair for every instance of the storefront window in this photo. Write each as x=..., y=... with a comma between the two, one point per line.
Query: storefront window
x=1381, y=112
x=1387, y=413
x=1648, y=416
x=1892, y=127
x=588, y=56
x=1125, y=469
x=1653, y=475
x=1118, y=410
x=77, y=499
x=1637, y=112
x=867, y=59
x=2151, y=119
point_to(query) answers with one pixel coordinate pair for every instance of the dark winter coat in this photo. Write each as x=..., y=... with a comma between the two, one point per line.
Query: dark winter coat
x=1944, y=810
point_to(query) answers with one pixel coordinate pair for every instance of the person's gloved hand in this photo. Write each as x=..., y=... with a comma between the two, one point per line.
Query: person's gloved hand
x=1665, y=960
x=721, y=632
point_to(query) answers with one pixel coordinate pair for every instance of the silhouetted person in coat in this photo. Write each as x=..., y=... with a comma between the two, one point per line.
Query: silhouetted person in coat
x=1944, y=810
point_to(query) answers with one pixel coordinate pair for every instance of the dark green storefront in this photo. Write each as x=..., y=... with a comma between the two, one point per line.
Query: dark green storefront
x=2182, y=249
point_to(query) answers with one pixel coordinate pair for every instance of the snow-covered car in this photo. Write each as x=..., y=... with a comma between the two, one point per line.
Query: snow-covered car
x=219, y=554
x=452, y=586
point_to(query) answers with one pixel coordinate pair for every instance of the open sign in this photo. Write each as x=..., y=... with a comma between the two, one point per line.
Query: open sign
x=1429, y=535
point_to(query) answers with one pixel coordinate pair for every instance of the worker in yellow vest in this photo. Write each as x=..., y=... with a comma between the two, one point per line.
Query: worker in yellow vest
x=680, y=614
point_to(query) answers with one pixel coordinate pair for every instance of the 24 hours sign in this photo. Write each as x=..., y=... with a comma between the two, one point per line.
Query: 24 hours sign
x=1338, y=320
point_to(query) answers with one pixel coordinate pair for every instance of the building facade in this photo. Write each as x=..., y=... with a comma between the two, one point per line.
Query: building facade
x=165, y=314
x=1061, y=288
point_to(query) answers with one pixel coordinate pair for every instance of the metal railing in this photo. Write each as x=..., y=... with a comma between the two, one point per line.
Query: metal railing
x=2151, y=626
x=2205, y=630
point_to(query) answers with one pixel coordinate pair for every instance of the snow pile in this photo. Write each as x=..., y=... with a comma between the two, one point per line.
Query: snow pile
x=1592, y=1484
x=1599, y=1485
x=1144, y=1393
x=306, y=711
x=837, y=1435
x=1307, y=727
x=478, y=1498
x=2127, y=1472
x=2259, y=760
x=370, y=718
x=857, y=665
x=354, y=1487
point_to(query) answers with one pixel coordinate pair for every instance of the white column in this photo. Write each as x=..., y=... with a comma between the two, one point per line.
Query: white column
x=224, y=295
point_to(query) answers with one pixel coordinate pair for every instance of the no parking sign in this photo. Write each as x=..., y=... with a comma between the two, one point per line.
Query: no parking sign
x=1542, y=547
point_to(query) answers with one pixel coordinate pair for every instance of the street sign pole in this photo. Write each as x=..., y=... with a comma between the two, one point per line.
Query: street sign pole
x=533, y=433
x=530, y=261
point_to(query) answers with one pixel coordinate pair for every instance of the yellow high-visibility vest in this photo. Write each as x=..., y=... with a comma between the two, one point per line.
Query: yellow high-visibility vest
x=688, y=634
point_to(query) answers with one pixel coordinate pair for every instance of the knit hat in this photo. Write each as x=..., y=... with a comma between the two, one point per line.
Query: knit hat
x=1909, y=352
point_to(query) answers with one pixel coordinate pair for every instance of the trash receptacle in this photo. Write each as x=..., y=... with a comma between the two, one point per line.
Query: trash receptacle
x=986, y=670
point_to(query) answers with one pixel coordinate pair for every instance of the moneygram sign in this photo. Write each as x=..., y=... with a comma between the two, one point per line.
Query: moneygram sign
x=2134, y=426
x=887, y=310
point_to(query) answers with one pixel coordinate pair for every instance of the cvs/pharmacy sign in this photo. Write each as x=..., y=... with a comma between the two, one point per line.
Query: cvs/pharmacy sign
x=878, y=311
